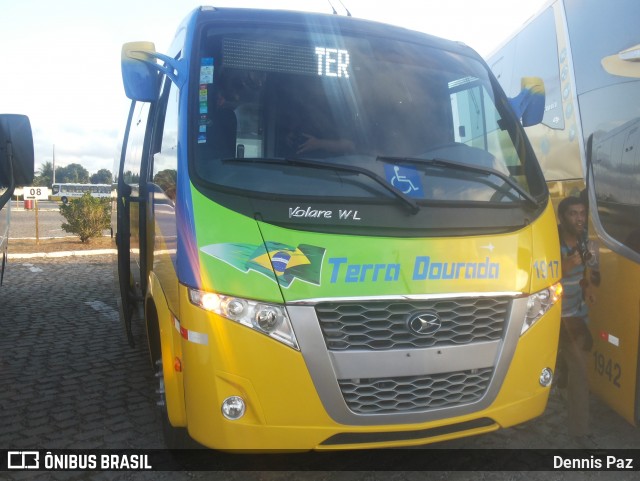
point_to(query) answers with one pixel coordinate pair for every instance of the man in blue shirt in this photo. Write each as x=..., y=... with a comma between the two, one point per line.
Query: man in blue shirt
x=579, y=257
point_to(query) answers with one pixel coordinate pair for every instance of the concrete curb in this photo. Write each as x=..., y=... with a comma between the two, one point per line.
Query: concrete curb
x=49, y=255
x=33, y=255
x=15, y=209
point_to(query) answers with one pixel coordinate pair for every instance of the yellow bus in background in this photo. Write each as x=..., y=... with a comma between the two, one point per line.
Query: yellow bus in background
x=588, y=54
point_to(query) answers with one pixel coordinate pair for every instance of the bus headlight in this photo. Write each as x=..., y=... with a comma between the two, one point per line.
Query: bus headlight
x=546, y=377
x=539, y=303
x=269, y=319
x=233, y=408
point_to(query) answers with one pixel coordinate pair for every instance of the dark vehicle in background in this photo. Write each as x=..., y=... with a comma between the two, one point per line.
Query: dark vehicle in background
x=16, y=169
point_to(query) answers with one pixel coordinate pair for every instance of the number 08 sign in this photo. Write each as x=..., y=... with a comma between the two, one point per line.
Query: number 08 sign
x=39, y=193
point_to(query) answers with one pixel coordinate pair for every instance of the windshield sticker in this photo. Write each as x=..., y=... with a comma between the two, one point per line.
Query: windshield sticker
x=279, y=262
x=206, y=70
x=202, y=134
x=202, y=127
x=405, y=179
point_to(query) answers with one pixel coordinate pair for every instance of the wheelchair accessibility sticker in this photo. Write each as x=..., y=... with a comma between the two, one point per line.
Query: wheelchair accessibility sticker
x=405, y=179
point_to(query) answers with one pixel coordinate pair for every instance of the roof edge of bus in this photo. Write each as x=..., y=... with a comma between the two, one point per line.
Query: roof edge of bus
x=517, y=29
x=285, y=15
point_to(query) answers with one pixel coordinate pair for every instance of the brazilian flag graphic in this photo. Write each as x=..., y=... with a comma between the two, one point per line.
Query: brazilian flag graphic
x=280, y=262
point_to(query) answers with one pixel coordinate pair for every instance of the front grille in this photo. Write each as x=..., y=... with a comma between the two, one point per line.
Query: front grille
x=415, y=393
x=382, y=325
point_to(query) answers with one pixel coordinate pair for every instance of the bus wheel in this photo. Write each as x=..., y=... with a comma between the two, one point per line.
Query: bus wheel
x=174, y=438
x=64, y=200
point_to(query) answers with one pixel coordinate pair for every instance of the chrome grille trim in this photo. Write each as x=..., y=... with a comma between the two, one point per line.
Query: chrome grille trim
x=324, y=367
x=407, y=297
x=382, y=324
x=415, y=393
x=413, y=362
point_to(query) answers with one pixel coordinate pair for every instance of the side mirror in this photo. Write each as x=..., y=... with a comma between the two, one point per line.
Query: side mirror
x=16, y=150
x=140, y=73
x=624, y=64
x=528, y=105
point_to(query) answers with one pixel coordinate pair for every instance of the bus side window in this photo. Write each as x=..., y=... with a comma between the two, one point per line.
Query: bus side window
x=133, y=158
x=533, y=53
x=165, y=161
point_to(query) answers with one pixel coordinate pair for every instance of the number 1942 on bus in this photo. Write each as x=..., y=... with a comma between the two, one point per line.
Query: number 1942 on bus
x=604, y=366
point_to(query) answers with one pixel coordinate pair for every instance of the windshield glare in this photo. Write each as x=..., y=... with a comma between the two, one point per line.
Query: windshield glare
x=369, y=102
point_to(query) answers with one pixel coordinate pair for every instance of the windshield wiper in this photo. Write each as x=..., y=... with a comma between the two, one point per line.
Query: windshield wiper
x=408, y=201
x=452, y=164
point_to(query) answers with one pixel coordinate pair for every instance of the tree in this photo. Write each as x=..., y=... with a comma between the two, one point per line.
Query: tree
x=72, y=173
x=130, y=178
x=166, y=180
x=86, y=216
x=44, y=176
x=103, y=176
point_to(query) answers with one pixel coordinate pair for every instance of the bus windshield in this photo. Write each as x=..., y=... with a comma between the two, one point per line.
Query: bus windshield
x=276, y=94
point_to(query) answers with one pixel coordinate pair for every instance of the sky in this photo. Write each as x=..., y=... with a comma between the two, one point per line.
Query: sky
x=60, y=60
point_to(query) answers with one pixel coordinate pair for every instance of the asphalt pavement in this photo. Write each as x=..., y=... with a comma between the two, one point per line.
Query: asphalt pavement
x=23, y=222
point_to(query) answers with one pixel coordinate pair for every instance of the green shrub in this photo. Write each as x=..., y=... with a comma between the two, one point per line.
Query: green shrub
x=86, y=216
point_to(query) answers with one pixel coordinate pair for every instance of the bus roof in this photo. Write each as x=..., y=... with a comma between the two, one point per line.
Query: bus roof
x=520, y=28
x=297, y=18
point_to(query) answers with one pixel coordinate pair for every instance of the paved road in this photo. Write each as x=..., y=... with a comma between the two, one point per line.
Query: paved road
x=23, y=222
x=69, y=380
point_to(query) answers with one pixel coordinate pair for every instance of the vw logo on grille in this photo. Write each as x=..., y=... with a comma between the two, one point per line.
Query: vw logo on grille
x=424, y=323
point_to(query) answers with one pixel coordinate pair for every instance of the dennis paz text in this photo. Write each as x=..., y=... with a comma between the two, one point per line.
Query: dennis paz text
x=593, y=462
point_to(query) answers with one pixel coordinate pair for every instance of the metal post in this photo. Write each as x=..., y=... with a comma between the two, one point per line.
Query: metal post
x=37, y=237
